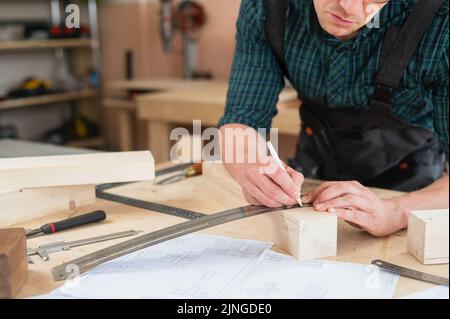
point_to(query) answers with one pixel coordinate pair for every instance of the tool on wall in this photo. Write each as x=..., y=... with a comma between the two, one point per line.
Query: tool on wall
x=188, y=17
x=76, y=221
x=44, y=250
x=166, y=25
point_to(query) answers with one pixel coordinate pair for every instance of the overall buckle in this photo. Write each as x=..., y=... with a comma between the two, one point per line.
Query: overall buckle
x=383, y=93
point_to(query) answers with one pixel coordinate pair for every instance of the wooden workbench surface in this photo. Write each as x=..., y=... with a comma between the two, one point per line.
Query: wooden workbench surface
x=165, y=103
x=195, y=193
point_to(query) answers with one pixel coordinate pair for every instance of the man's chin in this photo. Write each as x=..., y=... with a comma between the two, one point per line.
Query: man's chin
x=340, y=32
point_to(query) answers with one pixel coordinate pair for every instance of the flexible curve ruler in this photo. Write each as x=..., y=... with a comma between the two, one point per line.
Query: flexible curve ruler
x=92, y=260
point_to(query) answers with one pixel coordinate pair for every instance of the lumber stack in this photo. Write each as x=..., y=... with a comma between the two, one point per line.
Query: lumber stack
x=32, y=187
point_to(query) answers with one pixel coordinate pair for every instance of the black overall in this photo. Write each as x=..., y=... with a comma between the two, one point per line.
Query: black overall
x=372, y=146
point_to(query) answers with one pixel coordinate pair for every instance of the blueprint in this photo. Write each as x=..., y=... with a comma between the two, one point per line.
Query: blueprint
x=205, y=266
x=281, y=276
x=193, y=266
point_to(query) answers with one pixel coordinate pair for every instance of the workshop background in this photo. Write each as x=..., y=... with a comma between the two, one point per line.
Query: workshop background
x=80, y=86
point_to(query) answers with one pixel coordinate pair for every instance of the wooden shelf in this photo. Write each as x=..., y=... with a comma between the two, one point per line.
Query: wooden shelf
x=48, y=99
x=44, y=44
x=87, y=143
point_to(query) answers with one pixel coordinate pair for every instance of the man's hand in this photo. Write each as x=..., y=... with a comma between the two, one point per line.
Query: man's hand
x=270, y=186
x=359, y=206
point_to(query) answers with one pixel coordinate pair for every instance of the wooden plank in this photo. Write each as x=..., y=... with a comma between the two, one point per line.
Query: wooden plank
x=13, y=261
x=48, y=99
x=206, y=102
x=428, y=233
x=85, y=169
x=27, y=204
x=19, y=148
x=44, y=44
x=303, y=233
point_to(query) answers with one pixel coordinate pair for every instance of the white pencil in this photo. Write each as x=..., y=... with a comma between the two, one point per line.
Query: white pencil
x=277, y=160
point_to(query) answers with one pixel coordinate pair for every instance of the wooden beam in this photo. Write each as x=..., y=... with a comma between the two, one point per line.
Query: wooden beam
x=85, y=169
x=428, y=236
x=13, y=261
x=20, y=206
x=303, y=233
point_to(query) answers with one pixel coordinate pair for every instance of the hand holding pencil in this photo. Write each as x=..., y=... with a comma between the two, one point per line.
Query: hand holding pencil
x=270, y=184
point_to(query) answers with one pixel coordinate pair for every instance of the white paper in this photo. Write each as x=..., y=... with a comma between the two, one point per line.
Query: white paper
x=280, y=276
x=203, y=266
x=193, y=266
x=438, y=292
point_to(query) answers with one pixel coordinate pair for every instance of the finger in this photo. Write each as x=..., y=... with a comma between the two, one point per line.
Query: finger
x=251, y=200
x=253, y=191
x=337, y=190
x=354, y=216
x=346, y=201
x=311, y=196
x=353, y=225
x=272, y=190
x=298, y=177
x=285, y=181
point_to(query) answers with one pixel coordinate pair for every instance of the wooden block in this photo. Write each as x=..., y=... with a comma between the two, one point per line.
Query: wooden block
x=20, y=206
x=303, y=233
x=67, y=170
x=428, y=236
x=13, y=261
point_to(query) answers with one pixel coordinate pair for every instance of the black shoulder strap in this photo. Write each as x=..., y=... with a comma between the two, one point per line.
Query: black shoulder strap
x=275, y=27
x=402, y=45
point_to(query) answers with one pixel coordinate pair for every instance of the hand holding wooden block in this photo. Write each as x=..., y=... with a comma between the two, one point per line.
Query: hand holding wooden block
x=13, y=261
x=428, y=236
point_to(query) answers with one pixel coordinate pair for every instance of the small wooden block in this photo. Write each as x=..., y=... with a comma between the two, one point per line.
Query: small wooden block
x=19, y=206
x=68, y=170
x=428, y=236
x=13, y=261
x=303, y=233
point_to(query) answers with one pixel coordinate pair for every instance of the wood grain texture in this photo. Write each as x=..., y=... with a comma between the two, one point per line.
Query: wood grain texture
x=428, y=233
x=85, y=169
x=13, y=261
x=23, y=205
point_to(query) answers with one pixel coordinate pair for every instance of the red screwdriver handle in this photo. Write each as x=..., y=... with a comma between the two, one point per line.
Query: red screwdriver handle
x=93, y=217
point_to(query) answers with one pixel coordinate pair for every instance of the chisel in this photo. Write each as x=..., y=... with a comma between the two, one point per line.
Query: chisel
x=51, y=228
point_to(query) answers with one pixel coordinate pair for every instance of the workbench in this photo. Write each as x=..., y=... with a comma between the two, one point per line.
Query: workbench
x=166, y=103
x=354, y=245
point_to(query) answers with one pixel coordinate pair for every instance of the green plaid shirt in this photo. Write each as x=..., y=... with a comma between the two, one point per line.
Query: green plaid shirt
x=339, y=74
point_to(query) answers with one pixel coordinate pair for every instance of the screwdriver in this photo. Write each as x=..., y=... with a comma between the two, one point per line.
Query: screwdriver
x=191, y=171
x=51, y=228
